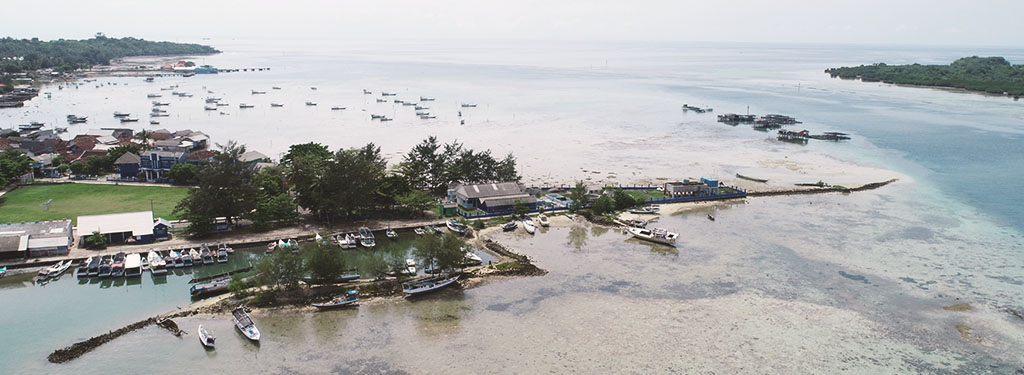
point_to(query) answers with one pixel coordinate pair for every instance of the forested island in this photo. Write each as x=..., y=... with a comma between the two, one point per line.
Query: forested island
x=22, y=55
x=986, y=74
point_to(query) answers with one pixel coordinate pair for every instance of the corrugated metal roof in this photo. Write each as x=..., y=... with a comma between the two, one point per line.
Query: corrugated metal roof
x=139, y=223
x=36, y=242
x=488, y=190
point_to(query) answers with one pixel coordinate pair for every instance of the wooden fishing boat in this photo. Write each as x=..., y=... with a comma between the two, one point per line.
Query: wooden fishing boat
x=456, y=226
x=658, y=235
x=761, y=180
x=427, y=285
x=349, y=299
x=245, y=324
x=206, y=338
x=509, y=226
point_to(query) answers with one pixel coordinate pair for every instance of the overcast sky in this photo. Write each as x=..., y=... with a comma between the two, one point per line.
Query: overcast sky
x=934, y=22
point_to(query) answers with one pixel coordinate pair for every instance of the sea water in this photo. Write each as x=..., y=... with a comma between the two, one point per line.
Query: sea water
x=793, y=284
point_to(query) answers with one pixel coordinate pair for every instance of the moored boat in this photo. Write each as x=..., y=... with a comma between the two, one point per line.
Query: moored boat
x=427, y=285
x=186, y=258
x=471, y=258
x=210, y=288
x=179, y=261
x=83, y=269
x=243, y=105
x=94, y=266
x=245, y=324
x=206, y=338
x=207, y=255
x=311, y=104
x=658, y=235
x=366, y=237
x=222, y=254
x=391, y=233
x=349, y=299
x=104, y=269
x=157, y=265
x=456, y=226
x=133, y=265
x=410, y=267
x=419, y=231
x=276, y=105
x=117, y=267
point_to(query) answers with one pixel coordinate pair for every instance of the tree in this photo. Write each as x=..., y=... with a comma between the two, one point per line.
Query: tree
x=96, y=241
x=623, y=200
x=415, y=202
x=579, y=197
x=222, y=189
x=77, y=168
x=281, y=268
x=520, y=208
x=269, y=209
x=603, y=205
x=13, y=164
x=98, y=165
x=306, y=167
x=183, y=173
x=444, y=253
x=324, y=263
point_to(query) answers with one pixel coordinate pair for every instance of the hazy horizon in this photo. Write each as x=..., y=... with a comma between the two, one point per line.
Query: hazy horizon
x=873, y=22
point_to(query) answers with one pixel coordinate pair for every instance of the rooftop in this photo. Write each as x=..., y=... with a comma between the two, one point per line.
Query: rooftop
x=488, y=190
x=139, y=223
x=37, y=228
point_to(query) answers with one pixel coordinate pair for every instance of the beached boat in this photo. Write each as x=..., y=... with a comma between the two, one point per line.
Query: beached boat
x=410, y=267
x=648, y=210
x=245, y=324
x=529, y=226
x=391, y=233
x=636, y=223
x=471, y=258
x=419, y=231
x=712, y=218
x=762, y=180
x=509, y=226
x=207, y=255
x=366, y=237
x=83, y=269
x=456, y=226
x=427, y=285
x=133, y=265
x=117, y=268
x=206, y=338
x=659, y=235
x=543, y=219
x=186, y=258
x=210, y=288
x=157, y=265
x=349, y=299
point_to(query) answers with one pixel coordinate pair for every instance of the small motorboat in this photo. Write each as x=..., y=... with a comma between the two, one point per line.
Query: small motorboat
x=129, y=119
x=337, y=108
x=636, y=223
x=366, y=92
x=117, y=267
x=712, y=218
x=244, y=105
x=157, y=265
x=94, y=266
x=275, y=88
x=179, y=261
x=366, y=237
x=348, y=241
x=426, y=99
x=83, y=269
x=349, y=299
x=226, y=248
x=276, y=105
x=391, y=233
x=410, y=267
x=427, y=285
x=154, y=122
x=311, y=103
x=436, y=229
x=468, y=105
x=206, y=338
x=529, y=226
x=256, y=92
x=222, y=254
x=187, y=259
x=207, y=255
x=509, y=226
x=456, y=226
x=121, y=114
x=245, y=324
x=648, y=210
x=210, y=107
x=658, y=235
x=59, y=268
x=3, y=272
x=471, y=258
x=133, y=265
x=271, y=247
x=543, y=219
x=419, y=231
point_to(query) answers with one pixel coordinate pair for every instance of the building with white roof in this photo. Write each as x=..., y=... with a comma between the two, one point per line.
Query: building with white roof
x=119, y=228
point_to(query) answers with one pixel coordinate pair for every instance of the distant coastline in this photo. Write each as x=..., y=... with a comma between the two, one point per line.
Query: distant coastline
x=990, y=75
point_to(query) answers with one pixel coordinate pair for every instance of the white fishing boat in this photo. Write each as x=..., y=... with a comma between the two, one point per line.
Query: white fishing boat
x=133, y=265
x=60, y=268
x=419, y=231
x=471, y=258
x=187, y=260
x=391, y=233
x=157, y=265
x=207, y=255
x=245, y=324
x=366, y=237
x=206, y=338
x=658, y=235
x=456, y=226
x=197, y=259
x=410, y=267
x=529, y=226
x=543, y=219
x=427, y=285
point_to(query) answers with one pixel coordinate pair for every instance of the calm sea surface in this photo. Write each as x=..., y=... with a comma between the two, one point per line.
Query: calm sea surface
x=781, y=285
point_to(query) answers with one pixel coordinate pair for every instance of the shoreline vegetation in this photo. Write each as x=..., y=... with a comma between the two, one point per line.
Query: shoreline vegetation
x=275, y=294
x=993, y=75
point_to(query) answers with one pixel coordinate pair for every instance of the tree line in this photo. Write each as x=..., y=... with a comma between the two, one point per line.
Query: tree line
x=20, y=55
x=334, y=185
x=987, y=74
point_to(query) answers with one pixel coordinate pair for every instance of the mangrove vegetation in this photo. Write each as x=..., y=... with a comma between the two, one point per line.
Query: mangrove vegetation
x=985, y=74
x=20, y=55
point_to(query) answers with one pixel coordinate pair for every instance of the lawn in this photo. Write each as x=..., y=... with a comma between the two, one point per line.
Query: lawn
x=646, y=195
x=73, y=200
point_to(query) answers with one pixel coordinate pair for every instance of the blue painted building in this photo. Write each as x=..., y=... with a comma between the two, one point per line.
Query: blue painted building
x=128, y=165
x=155, y=164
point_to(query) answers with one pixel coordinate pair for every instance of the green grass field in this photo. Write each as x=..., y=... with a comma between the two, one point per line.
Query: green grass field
x=646, y=195
x=73, y=200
